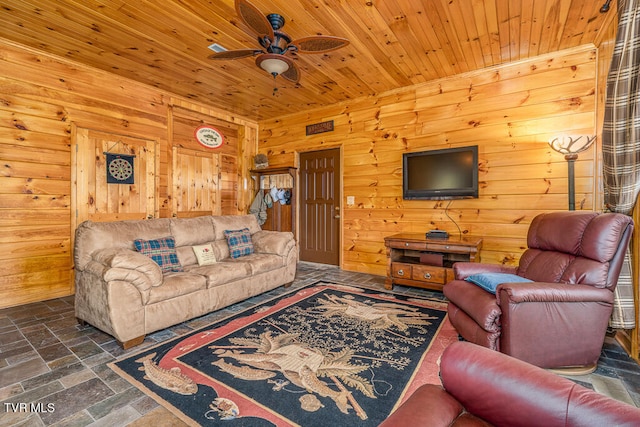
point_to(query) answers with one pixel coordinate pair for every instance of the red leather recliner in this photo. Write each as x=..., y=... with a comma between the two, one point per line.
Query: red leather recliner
x=559, y=319
x=481, y=387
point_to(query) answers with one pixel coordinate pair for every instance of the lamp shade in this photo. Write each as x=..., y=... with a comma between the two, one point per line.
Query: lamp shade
x=571, y=144
x=272, y=63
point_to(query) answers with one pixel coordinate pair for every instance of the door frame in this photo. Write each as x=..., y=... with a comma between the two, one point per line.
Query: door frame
x=341, y=203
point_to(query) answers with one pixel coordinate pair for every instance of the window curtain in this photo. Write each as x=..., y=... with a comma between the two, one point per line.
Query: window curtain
x=621, y=142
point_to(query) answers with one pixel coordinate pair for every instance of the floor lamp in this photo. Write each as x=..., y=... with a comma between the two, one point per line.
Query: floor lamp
x=570, y=146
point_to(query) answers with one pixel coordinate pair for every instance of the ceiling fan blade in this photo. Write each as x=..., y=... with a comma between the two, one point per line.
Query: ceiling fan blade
x=235, y=54
x=254, y=19
x=318, y=44
x=292, y=74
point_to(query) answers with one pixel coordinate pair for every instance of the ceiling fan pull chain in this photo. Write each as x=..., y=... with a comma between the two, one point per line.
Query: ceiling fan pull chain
x=275, y=84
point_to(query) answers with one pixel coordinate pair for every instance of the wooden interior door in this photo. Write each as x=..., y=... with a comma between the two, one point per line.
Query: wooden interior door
x=204, y=183
x=320, y=206
x=196, y=176
x=95, y=199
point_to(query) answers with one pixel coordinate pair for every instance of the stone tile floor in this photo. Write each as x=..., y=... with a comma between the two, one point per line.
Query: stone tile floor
x=53, y=372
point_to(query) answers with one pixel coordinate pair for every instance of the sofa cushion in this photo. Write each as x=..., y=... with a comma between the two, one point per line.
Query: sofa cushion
x=192, y=231
x=221, y=272
x=162, y=251
x=186, y=256
x=259, y=263
x=175, y=285
x=239, y=241
x=234, y=222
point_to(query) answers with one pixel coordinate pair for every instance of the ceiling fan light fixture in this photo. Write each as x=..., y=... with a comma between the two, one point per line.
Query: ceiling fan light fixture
x=272, y=64
x=276, y=44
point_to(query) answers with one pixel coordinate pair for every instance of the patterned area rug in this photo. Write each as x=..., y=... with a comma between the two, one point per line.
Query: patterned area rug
x=324, y=355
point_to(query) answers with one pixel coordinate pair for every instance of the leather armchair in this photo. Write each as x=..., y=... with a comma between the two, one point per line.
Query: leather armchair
x=481, y=387
x=559, y=318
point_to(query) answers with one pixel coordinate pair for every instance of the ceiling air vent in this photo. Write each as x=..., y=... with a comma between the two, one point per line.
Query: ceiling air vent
x=217, y=48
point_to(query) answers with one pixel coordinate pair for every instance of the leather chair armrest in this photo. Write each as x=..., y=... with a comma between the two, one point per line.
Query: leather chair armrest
x=463, y=270
x=429, y=406
x=551, y=292
x=577, y=314
x=501, y=389
x=506, y=391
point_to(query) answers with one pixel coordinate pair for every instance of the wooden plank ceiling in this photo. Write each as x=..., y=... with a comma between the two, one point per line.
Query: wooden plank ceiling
x=393, y=43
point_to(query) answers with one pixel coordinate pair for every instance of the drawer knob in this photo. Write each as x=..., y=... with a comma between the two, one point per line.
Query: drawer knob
x=406, y=244
x=427, y=275
x=400, y=272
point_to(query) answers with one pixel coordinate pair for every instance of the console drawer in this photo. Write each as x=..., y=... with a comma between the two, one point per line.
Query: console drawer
x=429, y=273
x=415, y=246
x=401, y=270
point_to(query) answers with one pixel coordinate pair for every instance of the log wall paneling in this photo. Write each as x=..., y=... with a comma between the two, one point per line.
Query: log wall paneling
x=510, y=112
x=44, y=102
x=229, y=185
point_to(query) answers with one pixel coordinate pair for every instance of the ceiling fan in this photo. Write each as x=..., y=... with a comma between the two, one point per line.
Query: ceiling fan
x=276, y=45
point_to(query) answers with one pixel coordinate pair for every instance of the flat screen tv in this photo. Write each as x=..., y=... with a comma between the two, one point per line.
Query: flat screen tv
x=450, y=173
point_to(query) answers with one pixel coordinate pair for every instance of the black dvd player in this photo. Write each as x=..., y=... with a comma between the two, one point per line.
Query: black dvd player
x=437, y=234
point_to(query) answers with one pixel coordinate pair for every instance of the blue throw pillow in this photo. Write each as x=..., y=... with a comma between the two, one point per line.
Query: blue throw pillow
x=162, y=251
x=490, y=281
x=239, y=242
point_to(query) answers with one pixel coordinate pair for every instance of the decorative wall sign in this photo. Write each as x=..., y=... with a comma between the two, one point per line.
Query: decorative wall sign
x=119, y=168
x=209, y=137
x=320, y=127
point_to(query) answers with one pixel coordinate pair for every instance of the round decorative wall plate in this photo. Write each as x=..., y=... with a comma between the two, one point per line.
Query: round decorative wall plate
x=209, y=137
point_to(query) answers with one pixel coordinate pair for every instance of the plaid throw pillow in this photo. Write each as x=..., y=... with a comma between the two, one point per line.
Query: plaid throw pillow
x=162, y=251
x=239, y=242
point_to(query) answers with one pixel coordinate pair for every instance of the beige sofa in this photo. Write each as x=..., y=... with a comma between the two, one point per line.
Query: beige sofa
x=126, y=294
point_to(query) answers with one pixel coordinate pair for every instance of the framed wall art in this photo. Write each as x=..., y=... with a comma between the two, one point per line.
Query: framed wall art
x=120, y=168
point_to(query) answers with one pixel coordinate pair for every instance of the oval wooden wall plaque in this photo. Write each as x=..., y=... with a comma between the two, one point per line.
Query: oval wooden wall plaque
x=209, y=137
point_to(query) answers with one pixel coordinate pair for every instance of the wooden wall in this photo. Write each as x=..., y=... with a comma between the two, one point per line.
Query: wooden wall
x=42, y=100
x=510, y=112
